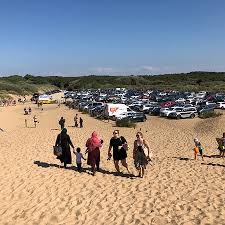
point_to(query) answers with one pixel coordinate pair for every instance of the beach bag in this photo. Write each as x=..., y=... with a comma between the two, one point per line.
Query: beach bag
x=57, y=149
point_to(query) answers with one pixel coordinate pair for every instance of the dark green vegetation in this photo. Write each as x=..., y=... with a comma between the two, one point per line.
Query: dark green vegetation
x=194, y=81
x=210, y=115
x=125, y=123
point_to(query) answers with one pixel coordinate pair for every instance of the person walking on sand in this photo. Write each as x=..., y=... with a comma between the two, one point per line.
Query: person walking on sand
x=79, y=157
x=119, y=146
x=62, y=122
x=93, y=145
x=76, y=120
x=141, y=153
x=35, y=120
x=63, y=140
x=81, y=122
x=25, y=111
x=198, y=149
x=222, y=147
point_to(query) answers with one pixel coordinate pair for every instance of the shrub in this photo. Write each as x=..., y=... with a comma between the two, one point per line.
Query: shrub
x=125, y=123
x=101, y=117
x=210, y=115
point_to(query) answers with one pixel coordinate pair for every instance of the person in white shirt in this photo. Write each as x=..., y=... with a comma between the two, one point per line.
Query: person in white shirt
x=79, y=156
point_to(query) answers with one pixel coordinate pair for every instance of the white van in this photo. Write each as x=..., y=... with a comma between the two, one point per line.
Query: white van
x=116, y=109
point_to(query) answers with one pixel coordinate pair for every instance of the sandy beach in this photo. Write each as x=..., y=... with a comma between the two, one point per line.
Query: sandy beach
x=175, y=190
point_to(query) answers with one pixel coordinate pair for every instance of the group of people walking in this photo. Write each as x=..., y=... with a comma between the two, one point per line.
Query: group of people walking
x=118, y=149
x=62, y=122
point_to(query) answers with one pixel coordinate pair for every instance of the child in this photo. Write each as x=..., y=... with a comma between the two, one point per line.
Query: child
x=198, y=149
x=79, y=155
x=35, y=120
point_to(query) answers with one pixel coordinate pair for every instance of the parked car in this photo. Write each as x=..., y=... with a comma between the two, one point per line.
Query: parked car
x=221, y=105
x=156, y=111
x=205, y=109
x=133, y=116
x=184, y=113
x=165, y=112
x=137, y=117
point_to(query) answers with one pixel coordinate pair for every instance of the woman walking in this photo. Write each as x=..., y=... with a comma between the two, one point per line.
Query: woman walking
x=141, y=153
x=93, y=145
x=119, y=146
x=63, y=140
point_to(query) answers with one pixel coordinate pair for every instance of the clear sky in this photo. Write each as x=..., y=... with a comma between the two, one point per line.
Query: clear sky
x=81, y=37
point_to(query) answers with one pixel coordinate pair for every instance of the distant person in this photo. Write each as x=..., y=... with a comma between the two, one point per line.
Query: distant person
x=29, y=110
x=141, y=153
x=119, y=145
x=25, y=111
x=63, y=140
x=76, y=120
x=93, y=145
x=35, y=120
x=79, y=157
x=222, y=147
x=62, y=122
x=81, y=122
x=198, y=149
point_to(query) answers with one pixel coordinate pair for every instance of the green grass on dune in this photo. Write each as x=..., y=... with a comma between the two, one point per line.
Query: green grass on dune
x=194, y=81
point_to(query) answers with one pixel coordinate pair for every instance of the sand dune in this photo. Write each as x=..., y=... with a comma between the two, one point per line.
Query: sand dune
x=176, y=190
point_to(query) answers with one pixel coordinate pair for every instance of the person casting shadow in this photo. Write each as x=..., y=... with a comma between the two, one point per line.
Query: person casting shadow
x=63, y=139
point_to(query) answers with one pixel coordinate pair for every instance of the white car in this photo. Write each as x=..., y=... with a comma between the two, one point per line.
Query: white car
x=180, y=100
x=166, y=111
x=184, y=113
x=221, y=105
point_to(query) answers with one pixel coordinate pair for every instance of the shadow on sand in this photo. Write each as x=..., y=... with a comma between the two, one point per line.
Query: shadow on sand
x=183, y=158
x=212, y=164
x=86, y=170
x=212, y=156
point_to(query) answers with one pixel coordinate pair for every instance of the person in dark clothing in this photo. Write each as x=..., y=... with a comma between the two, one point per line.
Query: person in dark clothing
x=62, y=123
x=76, y=120
x=63, y=140
x=25, y=111
x=119, y=146
x=29, y=110
x=81, y=122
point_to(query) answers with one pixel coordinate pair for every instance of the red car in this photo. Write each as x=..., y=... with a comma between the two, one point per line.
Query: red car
x=168, y=104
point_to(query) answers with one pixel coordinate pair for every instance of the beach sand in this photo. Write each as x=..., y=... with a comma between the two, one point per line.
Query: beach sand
x=175, y=190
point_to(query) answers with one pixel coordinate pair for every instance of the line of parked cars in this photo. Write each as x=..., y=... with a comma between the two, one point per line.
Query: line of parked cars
x=121, y=103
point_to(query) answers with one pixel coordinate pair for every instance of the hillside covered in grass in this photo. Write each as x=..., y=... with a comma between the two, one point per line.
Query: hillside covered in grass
x=194, y=81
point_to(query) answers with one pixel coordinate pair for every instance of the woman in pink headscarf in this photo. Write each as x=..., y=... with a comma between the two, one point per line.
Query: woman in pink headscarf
x=93, y=145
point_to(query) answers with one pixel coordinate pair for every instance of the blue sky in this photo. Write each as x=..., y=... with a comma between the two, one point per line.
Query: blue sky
x=71, y=37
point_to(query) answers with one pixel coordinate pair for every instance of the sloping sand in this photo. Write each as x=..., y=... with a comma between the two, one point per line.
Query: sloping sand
x=176, y=190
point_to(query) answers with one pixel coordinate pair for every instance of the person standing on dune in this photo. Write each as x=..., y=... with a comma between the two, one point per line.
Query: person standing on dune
x=119, y=146
x=93, y=144
x=62, y=123
x=63, y=140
